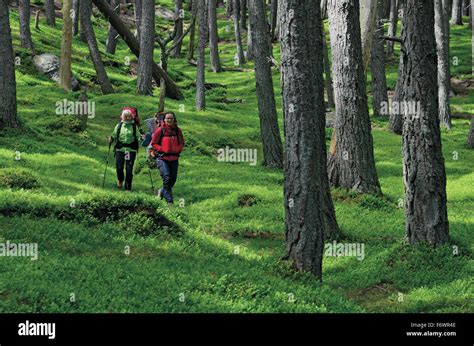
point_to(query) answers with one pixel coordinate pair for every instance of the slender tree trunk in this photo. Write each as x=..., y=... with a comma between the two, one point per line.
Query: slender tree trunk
x=305, y=152
x=111, y=44
x=192, y=33
x=269, y=130
x=379, y=80
x=250, y=48
x=158, y=73
x=243, y=14
x=50, y=12
x=147, y=44
x=25, y=33
x=470, y=137
x=75, y=18
x=368, y=13
x=65, y=73
x=423, y=162
x=274, y=18
x=200, y=70
x=8, y=107
x=351, y=157
x=456, y=16
x=230, y=8
x=238, y=37
x=102, y=78
x=327, y=72
x=392, y=27
x=465, y=7
x=82, y=31
x=138, y=17
x=214, y=37
x=444, y=76
x=176, y=52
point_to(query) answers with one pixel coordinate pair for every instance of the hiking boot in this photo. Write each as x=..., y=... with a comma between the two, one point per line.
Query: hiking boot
x=119, y=184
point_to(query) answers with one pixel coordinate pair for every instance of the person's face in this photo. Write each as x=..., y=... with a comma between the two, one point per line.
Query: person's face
x=127, y=117
x=169, y=119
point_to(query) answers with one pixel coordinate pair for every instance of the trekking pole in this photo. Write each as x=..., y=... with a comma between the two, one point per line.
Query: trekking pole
x=106, y=164
x=151, y=180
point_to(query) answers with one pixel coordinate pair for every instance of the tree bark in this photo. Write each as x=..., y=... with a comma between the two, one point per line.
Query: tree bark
x=423, y=162
x=351, y=162
x=392, y=27
x=214, y=37
x=368, y=13
x=75, y=18
x=50, y=12
x=192, y=33
x=456, y=16
x=138, y=17
x=230, y=8
x=172, y=89
x=65, y=73
x=379, y=80
x=8, y=106
x=111, y=44
x=470, y=137
x=25, y=32
x=176, y=52
x=269, y=130
x=200, y=70
x=274, y=9
x=303, y=105
x=243, y=14
x=238, y=37
x=102, y=78
x=444, y=75
x=147, y=45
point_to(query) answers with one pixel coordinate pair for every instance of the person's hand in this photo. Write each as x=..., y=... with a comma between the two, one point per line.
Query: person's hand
x=110, y=140
x=143, y=136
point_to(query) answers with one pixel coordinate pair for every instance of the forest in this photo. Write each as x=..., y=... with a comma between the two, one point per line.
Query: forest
x=253, y=156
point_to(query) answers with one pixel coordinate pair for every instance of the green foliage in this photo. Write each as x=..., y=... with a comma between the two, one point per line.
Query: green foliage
x=18, y=179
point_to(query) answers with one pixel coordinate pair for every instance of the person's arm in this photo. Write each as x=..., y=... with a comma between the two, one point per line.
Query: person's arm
x=155, y=139
x=113, y=136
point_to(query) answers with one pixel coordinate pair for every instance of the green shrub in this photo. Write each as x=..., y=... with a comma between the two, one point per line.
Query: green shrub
x=18, y=179
x=372, y=202
x=247, y=200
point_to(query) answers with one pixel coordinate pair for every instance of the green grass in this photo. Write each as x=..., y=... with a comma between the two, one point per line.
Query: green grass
x=224, y=257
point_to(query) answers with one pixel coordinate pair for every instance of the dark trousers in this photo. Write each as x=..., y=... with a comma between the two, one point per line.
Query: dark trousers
x=121, y=161
x=169, y=174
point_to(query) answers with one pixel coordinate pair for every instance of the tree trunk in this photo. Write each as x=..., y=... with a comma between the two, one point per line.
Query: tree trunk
x=470, y=137
x=269, y=130
x=50, y=12
x=8, y=108
x=368, y=13
x=147, y=45
x=379, y=80
x=351, y=157
x=240, y=57
x=176, y=52
x=200, y=70
x=192, y=33
x=274, y=18
x=102, y=78
x=305, y=149
x=172, y=89
x=138, y=17
x=243, y=14
x=65, y=73
x=75, y=18
x=423, y=162
x=82, y=31
x=111, y=44
x=392, y=27
x=456, y=16
x=230, y=8
x=444, y=75
x=214, y=37
x=327, y=72
x=25, y=33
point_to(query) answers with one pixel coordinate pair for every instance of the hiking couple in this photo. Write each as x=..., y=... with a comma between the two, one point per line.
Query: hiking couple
x=164, y=140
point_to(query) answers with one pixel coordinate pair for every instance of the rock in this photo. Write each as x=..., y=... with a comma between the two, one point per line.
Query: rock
x=164, y=13
x=49, y=65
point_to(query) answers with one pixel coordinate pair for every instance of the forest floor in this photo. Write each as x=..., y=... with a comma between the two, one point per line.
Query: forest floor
x=218, y=249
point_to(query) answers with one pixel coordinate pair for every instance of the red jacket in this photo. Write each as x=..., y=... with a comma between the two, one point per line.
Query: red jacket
x=168, y=142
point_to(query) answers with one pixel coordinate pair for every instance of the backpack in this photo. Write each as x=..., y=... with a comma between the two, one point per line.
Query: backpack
x=133, y=145
x=134, y=112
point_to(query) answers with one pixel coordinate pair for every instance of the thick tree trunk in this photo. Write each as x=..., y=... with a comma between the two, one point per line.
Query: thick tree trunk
x=75, y=18
x=176, y=52
x=240, y=57
x=444, y=75
x=8, y=108
x=269, y=130
x=147, y=45
x=50, y=12
x=214, y=37
x=65, y=73
x=303, y=105
x=111, y=44
x=392, y=26
x=423, y=162
x=200, y=70
x=138, y=17
x=351, y=157
x=470, y=137
x=379, y=80
x=25, y=33
x=456, y=15
x=192, y=33
x=172, y=89
x=102, y=78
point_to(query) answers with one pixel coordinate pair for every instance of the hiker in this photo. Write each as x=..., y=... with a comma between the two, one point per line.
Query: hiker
x=125, y=136
x=167, y=143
